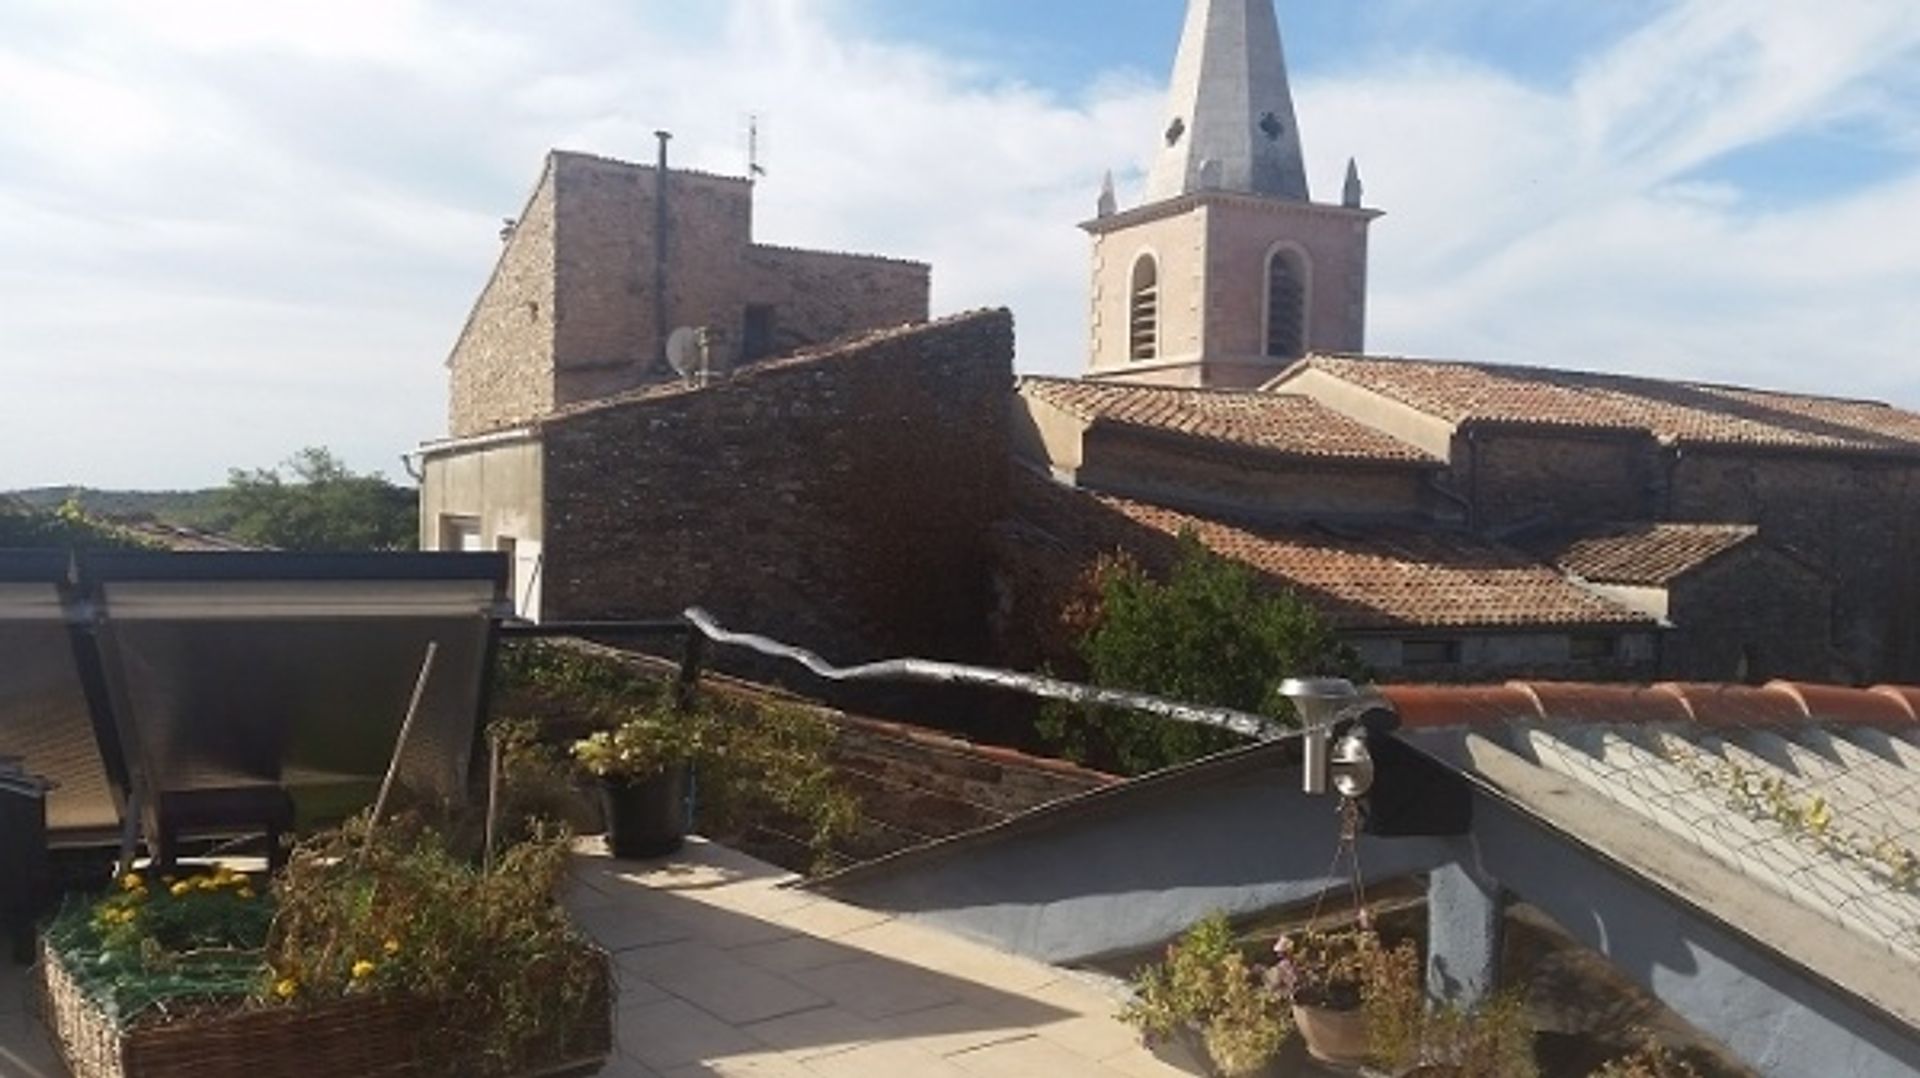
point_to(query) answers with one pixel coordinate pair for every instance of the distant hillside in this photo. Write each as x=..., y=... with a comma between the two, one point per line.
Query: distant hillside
x=184, y=507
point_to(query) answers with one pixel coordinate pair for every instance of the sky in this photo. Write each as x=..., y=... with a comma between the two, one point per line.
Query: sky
x=230, y=229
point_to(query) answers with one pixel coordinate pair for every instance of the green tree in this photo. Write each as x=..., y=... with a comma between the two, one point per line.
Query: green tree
x=313, y=502
x=69, y=526
x=1211, y=633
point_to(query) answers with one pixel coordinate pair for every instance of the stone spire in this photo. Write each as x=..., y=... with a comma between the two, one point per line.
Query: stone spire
x=1231, y=111
x=1355, y=192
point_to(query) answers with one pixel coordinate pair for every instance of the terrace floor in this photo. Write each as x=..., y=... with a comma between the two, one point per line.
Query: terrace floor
x=725, y=972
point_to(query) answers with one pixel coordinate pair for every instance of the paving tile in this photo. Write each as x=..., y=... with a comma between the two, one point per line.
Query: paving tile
x=743, y=1067
x=884, y=1061
x=933, y=949
x=1142, y=1064
x=634, y=989
x=824, y=1031
x=727, y=928
x=625, y=1067
x=16, y=988
x=25, y=1051
x=1028, y=1057
x=955, y=1027
x=619, y=927
x=795, y=953
x=830, y=920
x=879, y=987
x=673, y=1033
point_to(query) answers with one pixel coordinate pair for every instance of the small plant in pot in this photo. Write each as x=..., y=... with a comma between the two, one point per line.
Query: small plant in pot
x=1206, y=1001
x=1323, y=975
x=642, y=768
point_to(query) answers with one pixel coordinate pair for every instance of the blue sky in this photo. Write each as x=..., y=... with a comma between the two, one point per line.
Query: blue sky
x=229, y=229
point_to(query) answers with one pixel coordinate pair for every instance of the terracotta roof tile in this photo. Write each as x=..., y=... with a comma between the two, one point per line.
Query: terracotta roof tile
x=1645, y=554
x=1391, y=577
x=1679, y=413
x=1280, y=423
x=1718, y=706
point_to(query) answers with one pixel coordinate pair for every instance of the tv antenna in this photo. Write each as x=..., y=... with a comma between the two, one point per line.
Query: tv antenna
x=755, y=170
x=687, y=354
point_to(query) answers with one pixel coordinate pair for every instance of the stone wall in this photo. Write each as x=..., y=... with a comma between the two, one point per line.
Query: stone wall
x=605, y=340
x=1753, y=615
x=569, y=315
x=817, y=296
x=501, y=368
x=1852, y=517
x=1170, y=473
x=839, y=500
x=1523, y=476
x=916, y=784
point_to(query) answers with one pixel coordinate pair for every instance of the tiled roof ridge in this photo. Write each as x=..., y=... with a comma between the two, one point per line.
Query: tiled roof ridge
x=1197, y=391
x=1269, y=422
x=1368, y=574
x=1637, y=552
x=1777, y=703
x=810, y=357
x=1506, y=367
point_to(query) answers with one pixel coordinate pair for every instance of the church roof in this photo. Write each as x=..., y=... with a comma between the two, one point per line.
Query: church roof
x=1230, y=117
x=1638, y=554
x=1284, y=424
x=1674, y=412
x=1395, y=577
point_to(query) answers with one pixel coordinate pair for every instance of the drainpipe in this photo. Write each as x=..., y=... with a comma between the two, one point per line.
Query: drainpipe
x=1473, y=479
x=661, y=222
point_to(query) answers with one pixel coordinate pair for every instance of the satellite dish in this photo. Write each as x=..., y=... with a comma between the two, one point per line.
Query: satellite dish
x=687, y=353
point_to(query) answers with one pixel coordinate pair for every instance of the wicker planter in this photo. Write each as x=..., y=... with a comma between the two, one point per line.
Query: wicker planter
x=359, y=1038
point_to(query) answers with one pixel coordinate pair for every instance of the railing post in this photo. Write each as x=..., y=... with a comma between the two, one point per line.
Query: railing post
x=693, y=656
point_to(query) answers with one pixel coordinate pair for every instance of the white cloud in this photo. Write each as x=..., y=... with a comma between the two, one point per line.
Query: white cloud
x=228, y=229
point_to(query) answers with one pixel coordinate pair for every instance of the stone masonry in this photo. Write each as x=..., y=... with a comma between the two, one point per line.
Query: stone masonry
x=840, y=498
x=569, y=313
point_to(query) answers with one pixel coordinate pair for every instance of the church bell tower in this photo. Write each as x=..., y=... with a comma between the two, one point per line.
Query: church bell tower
x=1229, y=270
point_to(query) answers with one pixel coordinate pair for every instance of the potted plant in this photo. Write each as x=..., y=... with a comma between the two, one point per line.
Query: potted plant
x=1208, y=1004
x=1408, y=1036
x=1323, y=975
x=642, y=768
x=333, y=969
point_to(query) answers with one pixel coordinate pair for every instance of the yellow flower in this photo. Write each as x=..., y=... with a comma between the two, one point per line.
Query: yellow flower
x=180, y=888
x=286, y=987
x=363, y=969
x=392, y=947
x=132, y=882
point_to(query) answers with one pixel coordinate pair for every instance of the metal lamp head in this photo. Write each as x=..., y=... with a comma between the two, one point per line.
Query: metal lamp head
x=1317, y=700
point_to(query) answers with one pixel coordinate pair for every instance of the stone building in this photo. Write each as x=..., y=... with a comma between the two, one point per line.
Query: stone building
x=1726, y=533
x=1454, y=520
x=608, y=258
x=604, y=262
x=843, y=497
x=1229, y=270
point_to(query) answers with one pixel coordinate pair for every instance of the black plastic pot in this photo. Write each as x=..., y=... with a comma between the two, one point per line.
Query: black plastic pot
x=646, y=817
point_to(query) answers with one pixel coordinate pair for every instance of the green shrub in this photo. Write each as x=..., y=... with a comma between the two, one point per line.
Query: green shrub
x=1210, y=634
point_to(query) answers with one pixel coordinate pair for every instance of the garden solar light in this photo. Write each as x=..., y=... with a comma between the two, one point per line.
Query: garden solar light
x=1317, y=700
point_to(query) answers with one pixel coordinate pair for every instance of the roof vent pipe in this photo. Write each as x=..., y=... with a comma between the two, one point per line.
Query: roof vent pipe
x=661, y=222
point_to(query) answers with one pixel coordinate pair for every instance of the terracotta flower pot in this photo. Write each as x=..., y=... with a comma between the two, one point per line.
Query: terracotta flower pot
x=1187, y=1051
x=1337, y=1037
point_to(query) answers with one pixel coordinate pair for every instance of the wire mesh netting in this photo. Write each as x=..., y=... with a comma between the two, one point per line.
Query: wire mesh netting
x=1825, y=814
